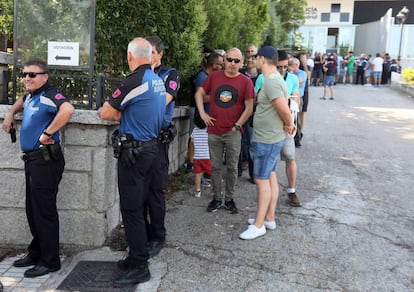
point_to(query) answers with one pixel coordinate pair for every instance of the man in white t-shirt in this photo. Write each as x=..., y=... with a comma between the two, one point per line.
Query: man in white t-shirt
x=377, y=69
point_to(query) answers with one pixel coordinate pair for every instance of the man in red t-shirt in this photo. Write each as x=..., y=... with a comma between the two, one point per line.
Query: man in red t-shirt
x=230, y=94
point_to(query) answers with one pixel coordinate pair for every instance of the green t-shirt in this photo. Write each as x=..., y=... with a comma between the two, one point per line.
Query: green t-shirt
x=351, y=63
x=267, y=125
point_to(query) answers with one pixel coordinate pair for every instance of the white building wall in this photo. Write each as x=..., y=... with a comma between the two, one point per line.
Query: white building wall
x=383, y=36
x=315, y=32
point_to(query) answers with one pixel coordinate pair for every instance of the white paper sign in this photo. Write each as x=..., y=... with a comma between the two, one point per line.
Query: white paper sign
x=63, y=53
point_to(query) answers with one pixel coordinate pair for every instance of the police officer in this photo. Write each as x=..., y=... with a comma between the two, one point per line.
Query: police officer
x=139, y=105
x=45, y=111
x=158, y=183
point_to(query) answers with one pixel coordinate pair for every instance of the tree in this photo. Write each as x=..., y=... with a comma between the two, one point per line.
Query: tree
x=6, y=22
x=235, y=23
x=6, y=18
x=289, y=16
x=118, y=22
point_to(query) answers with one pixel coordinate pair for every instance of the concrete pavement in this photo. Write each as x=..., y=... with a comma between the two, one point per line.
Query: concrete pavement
x=354, y=232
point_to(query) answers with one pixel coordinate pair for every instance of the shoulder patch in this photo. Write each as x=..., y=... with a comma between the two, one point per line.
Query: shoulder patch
x=173, y=84
x=59, y=96
x=116, y=93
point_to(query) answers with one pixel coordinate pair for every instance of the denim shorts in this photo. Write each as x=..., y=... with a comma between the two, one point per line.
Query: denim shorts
x=329, y=80
x=265, y=157
x=377, y=74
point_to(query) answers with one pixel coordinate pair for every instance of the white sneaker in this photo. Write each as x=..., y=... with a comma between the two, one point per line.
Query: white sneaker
x=268, y=224
x=253, y=232
x=197, y=194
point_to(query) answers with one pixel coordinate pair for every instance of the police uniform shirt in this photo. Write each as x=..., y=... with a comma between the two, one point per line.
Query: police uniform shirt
x=171, y=81
x=141, y=99
x=39, y=110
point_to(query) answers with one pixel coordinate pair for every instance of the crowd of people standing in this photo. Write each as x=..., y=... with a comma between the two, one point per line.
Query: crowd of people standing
x=364, y=69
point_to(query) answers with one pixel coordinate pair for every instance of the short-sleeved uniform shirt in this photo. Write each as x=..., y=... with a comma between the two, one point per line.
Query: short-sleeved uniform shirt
x=172, y=85
x=268, y=126
x=39, y=110
x=227, y=97
x=141, y=99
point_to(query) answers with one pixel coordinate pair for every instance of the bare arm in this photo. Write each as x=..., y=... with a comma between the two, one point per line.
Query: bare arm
x=109, y=113
x=169, y=98
x=9, y=117
x=248, y=110
x=62, y=117
x=283, y=110
x=303, y=60
x=199, y=97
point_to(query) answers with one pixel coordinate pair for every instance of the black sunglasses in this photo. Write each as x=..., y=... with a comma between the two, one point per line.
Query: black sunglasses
x=32, y=74
x=282, y=67
x=237, y=61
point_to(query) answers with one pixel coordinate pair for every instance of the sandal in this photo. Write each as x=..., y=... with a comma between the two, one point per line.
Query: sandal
x=323, y=97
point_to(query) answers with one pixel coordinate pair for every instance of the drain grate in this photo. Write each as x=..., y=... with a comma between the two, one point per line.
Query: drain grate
x=93, y=276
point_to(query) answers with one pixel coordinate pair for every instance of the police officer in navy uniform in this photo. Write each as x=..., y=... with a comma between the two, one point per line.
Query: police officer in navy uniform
x=45, y=111
x=139, y=105
x=158, y=183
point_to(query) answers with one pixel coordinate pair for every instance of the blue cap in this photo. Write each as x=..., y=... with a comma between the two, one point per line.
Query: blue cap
x=268, y=52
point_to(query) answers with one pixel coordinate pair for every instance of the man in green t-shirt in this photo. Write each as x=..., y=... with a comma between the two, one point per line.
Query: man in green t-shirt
x=271, y=120
x=349, y=65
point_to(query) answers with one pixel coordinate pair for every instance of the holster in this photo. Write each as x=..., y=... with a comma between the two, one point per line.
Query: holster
x=46, y=152
x=168, y=134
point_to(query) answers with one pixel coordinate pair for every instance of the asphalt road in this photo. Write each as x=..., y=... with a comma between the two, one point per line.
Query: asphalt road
x=355, y=231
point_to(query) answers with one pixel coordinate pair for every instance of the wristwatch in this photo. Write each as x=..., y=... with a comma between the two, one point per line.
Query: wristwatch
x=237, y=127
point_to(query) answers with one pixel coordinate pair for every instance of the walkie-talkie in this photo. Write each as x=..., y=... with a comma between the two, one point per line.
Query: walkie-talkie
x=13, y=134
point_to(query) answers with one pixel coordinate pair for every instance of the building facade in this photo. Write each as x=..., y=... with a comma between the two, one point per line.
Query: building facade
x=360, y=26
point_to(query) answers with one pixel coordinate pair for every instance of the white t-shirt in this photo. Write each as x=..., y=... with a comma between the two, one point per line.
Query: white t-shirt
x=378, y=61
x=310, y=64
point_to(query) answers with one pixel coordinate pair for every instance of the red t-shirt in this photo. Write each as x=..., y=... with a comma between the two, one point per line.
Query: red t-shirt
x=227, y=97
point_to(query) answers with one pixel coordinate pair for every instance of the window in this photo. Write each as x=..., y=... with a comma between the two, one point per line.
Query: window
x=325, y=17
x=335, y=7
x=344, y=17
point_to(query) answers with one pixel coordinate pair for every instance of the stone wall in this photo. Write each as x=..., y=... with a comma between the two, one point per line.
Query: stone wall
x=88, y=197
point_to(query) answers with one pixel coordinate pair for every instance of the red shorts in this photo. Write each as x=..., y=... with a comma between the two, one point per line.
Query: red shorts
x=202, y=165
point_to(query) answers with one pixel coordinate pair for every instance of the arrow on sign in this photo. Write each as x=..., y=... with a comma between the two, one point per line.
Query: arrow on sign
x=62, y=57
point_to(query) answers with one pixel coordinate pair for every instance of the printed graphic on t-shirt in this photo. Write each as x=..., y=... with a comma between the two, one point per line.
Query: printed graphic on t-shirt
x=226, y=96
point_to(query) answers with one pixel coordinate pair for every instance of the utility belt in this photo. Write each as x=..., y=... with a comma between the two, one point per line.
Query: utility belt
x=126, y=149
x=140, y=144
x=45, y=152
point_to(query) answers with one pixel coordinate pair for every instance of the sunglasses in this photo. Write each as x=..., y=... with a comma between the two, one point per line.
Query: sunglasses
x=237, y=61
x=32, y=74
x=282, y=67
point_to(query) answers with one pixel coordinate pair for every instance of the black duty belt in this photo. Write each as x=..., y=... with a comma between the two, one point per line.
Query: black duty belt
x=135, y=143
x=37, y=154
x=46, y=152
x=32, y=155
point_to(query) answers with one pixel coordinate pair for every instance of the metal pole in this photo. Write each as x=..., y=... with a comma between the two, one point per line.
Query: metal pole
x=401, y=36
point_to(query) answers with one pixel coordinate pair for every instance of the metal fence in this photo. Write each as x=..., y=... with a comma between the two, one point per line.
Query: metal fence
x=75, y=87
